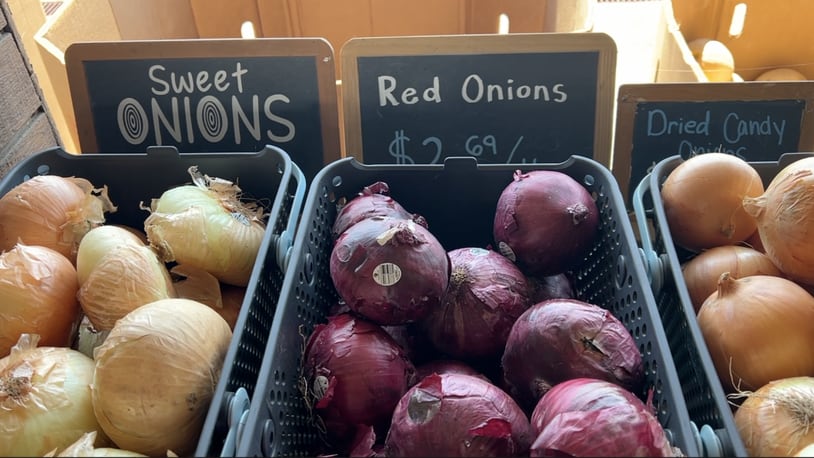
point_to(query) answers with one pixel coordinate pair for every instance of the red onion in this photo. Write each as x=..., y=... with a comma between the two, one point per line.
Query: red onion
x=446, y=366
x=486, y=294
x=389, y=270
x=373, y=200
x=457, y=415
x=556, y=286
x=545, y=221
x=356, y=374
x=561, y=339
x=590, y=417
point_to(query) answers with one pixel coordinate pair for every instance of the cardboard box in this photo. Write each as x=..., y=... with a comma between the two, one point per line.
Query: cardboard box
x=761, y=34
x=105, y=20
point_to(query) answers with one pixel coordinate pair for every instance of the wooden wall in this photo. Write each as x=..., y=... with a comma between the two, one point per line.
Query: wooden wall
x=25, y=126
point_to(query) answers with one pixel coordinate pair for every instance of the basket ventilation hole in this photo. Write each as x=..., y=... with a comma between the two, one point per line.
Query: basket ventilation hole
x=589, y=180
x=621, y=272
x=43, y=169
x=308, y=268
x=268, y=444
x=336, y=181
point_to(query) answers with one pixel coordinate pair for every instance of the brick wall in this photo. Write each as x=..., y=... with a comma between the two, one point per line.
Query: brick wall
x=25, y=127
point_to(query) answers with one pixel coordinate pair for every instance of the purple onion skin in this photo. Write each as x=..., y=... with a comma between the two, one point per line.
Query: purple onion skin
x=457, y=415
x=356, y=373
x=561, y=339
x=558, y=286
x=545, y=221
x=373, y=200
x=390, y=271
x=590, y=417
x=446, y=366
x=486, y=294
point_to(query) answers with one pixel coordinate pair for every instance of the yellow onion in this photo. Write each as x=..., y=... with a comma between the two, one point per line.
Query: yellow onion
x=785, y=219
x=776, y=419
x=758, y=329
x=84, y=446
x=701, y=273
x=156, y=374
x=123, y=279
x=37, y=296
x=199, y=285
x=98, y=242
x=45, y=398
x=207, y=225
x=703, y=200
x=52, y=211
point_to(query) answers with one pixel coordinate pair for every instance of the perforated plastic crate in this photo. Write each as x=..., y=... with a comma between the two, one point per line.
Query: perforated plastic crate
x=703, y=392
x=268, y=175
x=458, y=199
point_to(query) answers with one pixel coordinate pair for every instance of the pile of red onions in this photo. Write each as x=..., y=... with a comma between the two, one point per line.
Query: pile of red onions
x=438, y=350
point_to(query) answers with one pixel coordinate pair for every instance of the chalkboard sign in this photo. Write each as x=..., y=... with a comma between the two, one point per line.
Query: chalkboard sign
x=200, y=96
x=514, y=98
x=756, y=121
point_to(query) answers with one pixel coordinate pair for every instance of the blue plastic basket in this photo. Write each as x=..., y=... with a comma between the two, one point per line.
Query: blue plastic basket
x=458, y=199
x=703, y=392
x=268, y=175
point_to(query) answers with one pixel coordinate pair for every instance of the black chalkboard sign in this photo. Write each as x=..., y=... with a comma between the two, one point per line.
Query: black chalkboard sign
x=522, y=98
x=755, y=121
x=202, y=96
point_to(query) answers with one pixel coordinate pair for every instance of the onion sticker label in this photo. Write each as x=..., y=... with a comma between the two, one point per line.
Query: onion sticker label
x=387, y=274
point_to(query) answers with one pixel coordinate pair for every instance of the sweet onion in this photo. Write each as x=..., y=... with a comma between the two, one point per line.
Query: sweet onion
x=37, y=296
x=758, y=329
x=486, y=294
x=355, y=374
x=123, y=279
x=457, y=415
x=703, y=200
x=389, y=270
x=701, y=272
x=545, y=221
x=99, y=241
x=561, y=339
x=775, y=420
x=372, y=200
x=52, y=211
x=84, y=446
x=155, y=375
x=45, y=399
x=590, y=417
x=785, y=219
x=207, y=225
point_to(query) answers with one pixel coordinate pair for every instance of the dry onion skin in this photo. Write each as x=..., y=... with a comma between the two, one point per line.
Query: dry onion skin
x=199, y=285
x=703, y=200
x=52, y=211
x=701, y=273
x=785, y=219
x=758, y=329
x=207, y=225
x=38, y=288
x=156, y=373
x=776, y=419
x=45, y=399
x=84, y=446
x=123, y=279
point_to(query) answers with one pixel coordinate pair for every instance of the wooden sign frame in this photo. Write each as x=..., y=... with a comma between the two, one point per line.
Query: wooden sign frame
x=79, y=53
x=474, y=44
x=631, y=95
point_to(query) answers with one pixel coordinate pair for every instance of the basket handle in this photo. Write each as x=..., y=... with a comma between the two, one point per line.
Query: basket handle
x=654, y=265
x=285, y=241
